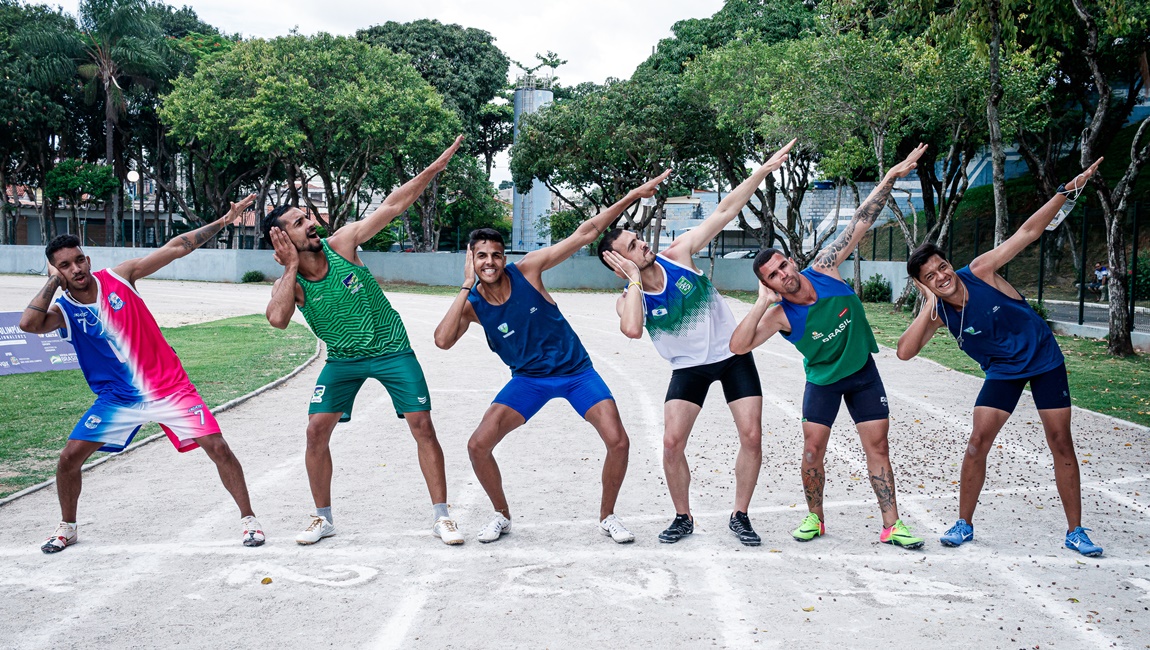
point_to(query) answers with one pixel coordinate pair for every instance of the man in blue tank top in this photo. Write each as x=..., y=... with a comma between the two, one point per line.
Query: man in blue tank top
x=996, y=327
x=525, y=328
x=690, y=324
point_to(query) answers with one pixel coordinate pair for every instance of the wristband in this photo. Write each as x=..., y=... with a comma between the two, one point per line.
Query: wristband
x=1063, y=191
x=632, y=283
x=466, y=288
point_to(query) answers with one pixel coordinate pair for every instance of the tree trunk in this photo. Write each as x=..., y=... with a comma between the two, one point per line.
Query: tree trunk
x=997, y=155
x=111, y=213
x=1119, y=344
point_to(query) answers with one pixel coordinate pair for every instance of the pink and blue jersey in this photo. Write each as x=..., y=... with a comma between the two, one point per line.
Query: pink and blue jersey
x=123, y=355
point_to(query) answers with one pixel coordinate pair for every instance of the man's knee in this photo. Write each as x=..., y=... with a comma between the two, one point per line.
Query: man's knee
x=674, y=445
x=879, y=447
x=752, y=440
x=1061, y=443
x=478, y=447
x=72, y=458
x=619, y=444
x=979, y=445
x=421, y=426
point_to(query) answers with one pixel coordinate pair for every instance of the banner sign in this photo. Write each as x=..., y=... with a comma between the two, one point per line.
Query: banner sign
x=21, y=352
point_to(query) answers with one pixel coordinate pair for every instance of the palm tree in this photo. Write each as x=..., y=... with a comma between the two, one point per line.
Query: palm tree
x=121, y=43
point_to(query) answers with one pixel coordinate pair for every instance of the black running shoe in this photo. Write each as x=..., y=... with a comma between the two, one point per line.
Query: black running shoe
x=741, y=526
x=680, y=528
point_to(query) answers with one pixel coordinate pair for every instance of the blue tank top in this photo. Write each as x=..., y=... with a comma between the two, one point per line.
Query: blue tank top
x=529, y=333
x=1004, y=335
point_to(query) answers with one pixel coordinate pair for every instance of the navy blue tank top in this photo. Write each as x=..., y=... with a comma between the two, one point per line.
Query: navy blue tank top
x=529, y=333
x=1007, y=338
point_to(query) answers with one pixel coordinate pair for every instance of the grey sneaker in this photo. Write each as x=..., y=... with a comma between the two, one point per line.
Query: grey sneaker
x=316, y=530
x=613, y=527
x=499, y=525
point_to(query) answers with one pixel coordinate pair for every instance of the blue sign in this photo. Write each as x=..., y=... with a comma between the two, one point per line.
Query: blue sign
x=21, y=352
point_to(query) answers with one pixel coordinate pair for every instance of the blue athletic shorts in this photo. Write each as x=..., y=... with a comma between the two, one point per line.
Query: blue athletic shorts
x=863, y=392
x=526, y=395
x=1051, y=390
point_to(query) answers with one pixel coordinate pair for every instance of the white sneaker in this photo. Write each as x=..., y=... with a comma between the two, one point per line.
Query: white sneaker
x=253, y=533
x=499, y=525
x=64, y=536
x=446, y=530
x=316, y=530
x=613, y=526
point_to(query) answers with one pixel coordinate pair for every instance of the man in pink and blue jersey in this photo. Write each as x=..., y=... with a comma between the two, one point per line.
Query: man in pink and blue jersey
x=135, y=374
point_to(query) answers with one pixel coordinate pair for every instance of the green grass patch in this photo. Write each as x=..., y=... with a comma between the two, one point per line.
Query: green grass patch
x=224, y=359
x=1098, y=381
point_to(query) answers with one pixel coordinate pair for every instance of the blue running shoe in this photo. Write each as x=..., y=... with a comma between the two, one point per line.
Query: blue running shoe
x=1077, y=540
x=960, y=533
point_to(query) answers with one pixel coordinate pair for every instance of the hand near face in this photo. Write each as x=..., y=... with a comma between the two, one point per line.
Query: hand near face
x=285, y=251
x=623, y=267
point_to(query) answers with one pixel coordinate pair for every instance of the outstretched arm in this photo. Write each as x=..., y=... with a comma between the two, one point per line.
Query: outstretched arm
x=696, y=239
x=989, y=262
x=41, y=316
x=922, y=328
x=355, y=233
x=588, y=231
x=763, y=322
x=178, y=247
x=459, y=315
x=840, y=249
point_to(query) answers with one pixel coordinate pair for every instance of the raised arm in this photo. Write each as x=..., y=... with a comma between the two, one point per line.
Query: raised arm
x=41, y=316
x=989, y=262
x=922, y=328
x=355, y=233
x=696, y=239
x=764, y=321
x=459, y=315
x=178, y=247
x=630, y=304
x=829, y=258
x=282, y=305
x=588, y=231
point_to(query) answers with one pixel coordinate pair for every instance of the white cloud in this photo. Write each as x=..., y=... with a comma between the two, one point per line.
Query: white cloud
x=599, y=38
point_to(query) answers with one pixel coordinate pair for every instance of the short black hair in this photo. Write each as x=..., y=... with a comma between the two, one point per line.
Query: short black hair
x=762, y=258
x=920, y=256
x=60, y=242
x=606, y=244
x=271, y=220
x=485, y=234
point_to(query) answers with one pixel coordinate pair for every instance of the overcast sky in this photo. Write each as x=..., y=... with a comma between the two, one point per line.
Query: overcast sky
x=599, y=38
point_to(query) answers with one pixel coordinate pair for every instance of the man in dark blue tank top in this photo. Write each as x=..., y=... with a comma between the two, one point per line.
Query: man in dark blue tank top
x=525, y=328
x=996, y=327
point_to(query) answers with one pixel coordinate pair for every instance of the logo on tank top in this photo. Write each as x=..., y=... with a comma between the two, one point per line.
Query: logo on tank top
x=115, y=301
x=659, y=311
x=684, y=285
x=352, y=283
x=830, y=337
x=970, y=330
x=503, y=328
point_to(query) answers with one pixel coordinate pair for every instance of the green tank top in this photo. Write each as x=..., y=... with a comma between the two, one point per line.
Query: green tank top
x=348, y=310
x=832, y=334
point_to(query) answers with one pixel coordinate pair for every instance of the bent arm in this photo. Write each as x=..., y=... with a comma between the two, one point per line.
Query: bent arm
x=282, y=305
x=918, y=333
x=41, y=316
x=455, y=322
x=763, y=322
x=631, y=313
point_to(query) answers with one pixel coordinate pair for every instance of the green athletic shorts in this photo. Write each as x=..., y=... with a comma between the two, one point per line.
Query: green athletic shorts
x=400, y=373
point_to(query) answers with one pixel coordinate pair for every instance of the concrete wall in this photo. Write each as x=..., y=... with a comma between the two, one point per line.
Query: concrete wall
x=580, y=272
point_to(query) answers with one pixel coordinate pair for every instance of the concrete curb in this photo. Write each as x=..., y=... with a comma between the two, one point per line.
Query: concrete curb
x=1094, y=305
x=140, y=443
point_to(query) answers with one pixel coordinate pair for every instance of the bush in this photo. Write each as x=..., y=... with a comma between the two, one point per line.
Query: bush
x=1040, y=309
x=876, y=289
x=253, y=276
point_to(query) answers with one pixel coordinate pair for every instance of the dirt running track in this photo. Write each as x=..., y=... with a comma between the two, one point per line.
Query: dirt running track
x=160, y=563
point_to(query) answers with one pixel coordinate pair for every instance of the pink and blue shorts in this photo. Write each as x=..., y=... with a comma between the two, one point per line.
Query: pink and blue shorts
x=182, y=415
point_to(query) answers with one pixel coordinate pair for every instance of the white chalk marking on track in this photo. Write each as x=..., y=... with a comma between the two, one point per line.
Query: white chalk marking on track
x=1118, y=497
x=1092, y=638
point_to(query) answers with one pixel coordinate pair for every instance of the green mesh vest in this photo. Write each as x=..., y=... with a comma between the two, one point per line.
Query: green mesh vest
x=348, y=310
x=833, y=333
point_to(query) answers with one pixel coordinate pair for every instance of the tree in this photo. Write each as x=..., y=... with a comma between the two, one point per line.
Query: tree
x=495, y=132
x=329, y=107
x=79, y=183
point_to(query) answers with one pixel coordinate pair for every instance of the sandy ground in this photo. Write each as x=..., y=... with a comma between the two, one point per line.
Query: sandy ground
x=160, y=562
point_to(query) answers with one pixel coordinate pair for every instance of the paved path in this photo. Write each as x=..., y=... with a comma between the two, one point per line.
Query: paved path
x=160, y=561
x=1092, y=314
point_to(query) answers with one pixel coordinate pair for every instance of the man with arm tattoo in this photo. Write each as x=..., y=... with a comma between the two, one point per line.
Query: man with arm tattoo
x=996, y=327
x=135, y=374
x=820, y=314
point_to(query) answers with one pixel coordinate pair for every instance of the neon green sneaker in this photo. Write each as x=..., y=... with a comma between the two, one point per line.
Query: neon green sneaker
x=811, y=528
x=899, y=535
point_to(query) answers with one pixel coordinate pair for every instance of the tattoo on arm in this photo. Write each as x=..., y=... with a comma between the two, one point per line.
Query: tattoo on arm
x=49, y=289
x=197, y=238
x=813, y=481
x=883, y=485
x=39, y=309
x=866, y=214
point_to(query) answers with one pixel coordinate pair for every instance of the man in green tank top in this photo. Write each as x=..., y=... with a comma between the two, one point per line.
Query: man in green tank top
x=821, y=315
x=365, y=337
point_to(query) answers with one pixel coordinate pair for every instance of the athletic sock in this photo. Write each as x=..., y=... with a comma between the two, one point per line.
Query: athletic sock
x=325, y=513
x=440, y=510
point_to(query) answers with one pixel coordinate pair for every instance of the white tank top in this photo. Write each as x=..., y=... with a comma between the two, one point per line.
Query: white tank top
x=689, y=322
